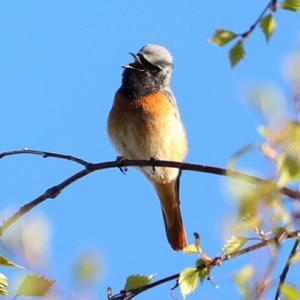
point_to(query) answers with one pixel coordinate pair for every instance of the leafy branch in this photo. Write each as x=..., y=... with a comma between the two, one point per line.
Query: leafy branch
x=209, y=264
x=122, y=164
x=266, y=22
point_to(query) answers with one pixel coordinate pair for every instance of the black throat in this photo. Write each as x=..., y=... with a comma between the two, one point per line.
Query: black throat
x=136, y=84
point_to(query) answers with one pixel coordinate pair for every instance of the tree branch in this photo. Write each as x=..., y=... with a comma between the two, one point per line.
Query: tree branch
x=130, y=294
x=54, y=191
x=51, y=193
x=287, y=267
x=45, y=154
x=272, y=6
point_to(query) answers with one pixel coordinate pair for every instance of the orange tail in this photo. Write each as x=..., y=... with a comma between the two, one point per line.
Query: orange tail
x=169, y=199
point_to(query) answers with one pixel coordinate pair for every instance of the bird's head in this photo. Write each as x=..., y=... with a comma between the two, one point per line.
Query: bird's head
x=155, y=60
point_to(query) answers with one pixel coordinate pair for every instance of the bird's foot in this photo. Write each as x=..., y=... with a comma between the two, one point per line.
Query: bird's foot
x=120, y=160
x=153, y=160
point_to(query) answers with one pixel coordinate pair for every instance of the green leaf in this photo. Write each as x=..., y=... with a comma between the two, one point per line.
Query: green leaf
x=234, y=243
x=236, y=53
x=190, y=249
x=293, y=5
x=279, y=231
x=200, y=263
x=288, y=168
x=3, y=285
x=222, y=37
x=88, y=268
x=136, y=281
x=202, y=274
x=188, y=281
x=290, y=292
x=267, y=25
x=203, y=271
x=7, y=263
x=242, y=280
x=285, y=137
x=34, y=286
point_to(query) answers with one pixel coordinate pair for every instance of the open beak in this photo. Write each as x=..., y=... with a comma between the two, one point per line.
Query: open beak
x=136, y=65
x=134, y=55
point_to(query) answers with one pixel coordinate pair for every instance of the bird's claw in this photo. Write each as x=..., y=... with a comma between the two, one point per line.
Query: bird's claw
x=153, y=160
x=120, y=160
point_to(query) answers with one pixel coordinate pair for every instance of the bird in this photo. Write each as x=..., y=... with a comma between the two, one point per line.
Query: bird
x=144, y=123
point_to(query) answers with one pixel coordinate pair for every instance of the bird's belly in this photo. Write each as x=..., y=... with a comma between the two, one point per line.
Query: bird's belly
x=158, y=139
x=148, y=131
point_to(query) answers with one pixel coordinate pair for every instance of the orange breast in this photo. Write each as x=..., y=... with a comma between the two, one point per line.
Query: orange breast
x=148, y=127
x=155, y=105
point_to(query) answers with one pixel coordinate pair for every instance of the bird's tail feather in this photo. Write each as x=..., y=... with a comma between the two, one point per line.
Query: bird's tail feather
x=169, y=198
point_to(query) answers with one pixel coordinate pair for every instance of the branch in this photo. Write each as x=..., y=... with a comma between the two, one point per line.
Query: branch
x=287, y=267
x=45, y=154
x=51, y=193
x=130, y=294
x=54, y=191
x=272, y=6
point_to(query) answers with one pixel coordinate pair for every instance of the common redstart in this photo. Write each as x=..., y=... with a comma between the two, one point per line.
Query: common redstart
x=144, y=123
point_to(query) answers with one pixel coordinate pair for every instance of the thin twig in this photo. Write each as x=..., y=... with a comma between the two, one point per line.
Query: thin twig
x=45, y=154
x=286, y=268
x=270, y=6
x=130, y=294
x=51, y=193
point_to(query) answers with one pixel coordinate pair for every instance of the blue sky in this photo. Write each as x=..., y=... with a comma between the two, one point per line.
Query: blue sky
x=60, y=67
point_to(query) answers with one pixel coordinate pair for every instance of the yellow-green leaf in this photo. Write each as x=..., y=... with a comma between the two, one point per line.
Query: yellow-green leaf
x=5, y=262
x=293, y=5
x=236, y=53
x=221, y=37
x=202, y=269
x=269, y=102
x=267, y=25
x=279, y=231
x=136, y=281
x=190, y=249
x=289, y=169
x=234, y=243
x=286, y=137
x=88, y=268
x=202, y=274
x=34, y=286
x=242, y=279
x=188, y=281
x=3, y=285
x=289, y=292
